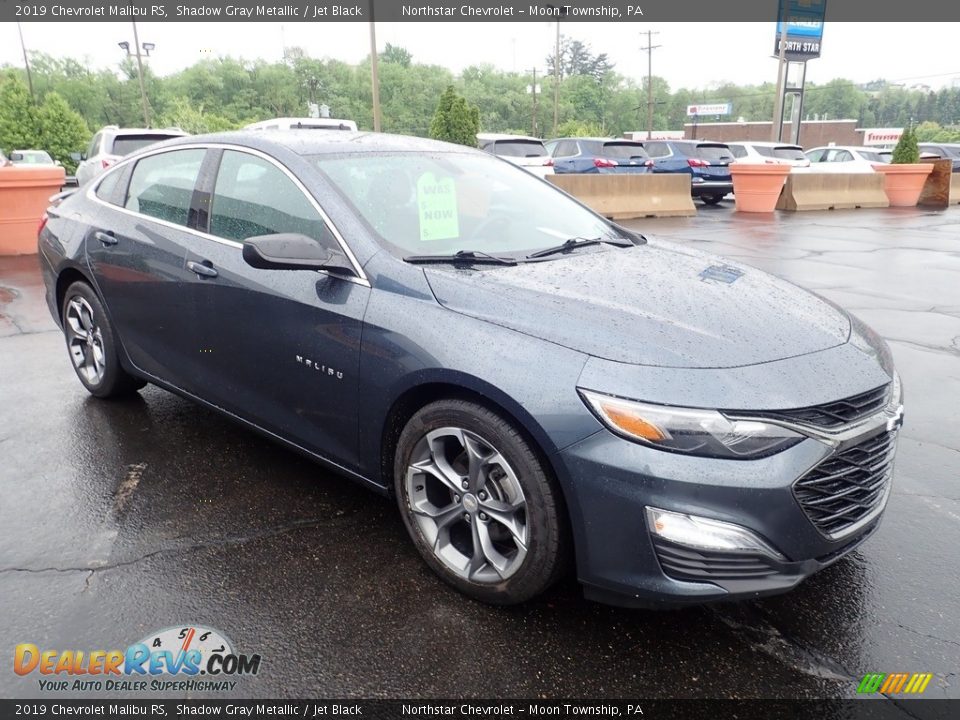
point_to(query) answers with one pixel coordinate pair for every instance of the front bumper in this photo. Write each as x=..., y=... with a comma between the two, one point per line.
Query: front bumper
x=620, y=562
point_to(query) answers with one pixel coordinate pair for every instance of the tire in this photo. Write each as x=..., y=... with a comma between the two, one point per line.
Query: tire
x=513, y=547
x=92, y=344
x=711, y=199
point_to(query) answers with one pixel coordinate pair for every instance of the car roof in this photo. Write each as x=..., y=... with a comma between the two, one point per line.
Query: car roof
x=858, y=148
x=763, y=143
x=506, y=136
x=324, y=142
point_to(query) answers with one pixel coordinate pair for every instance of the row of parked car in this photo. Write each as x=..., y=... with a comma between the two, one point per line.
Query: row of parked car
x=707, y=163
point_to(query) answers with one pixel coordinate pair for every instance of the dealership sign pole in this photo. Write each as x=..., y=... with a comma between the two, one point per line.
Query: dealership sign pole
x=798, y=38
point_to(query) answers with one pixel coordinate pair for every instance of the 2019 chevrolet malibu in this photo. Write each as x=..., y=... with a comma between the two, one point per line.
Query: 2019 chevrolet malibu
x=536, y=385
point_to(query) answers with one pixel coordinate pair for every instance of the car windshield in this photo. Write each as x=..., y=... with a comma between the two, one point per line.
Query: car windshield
x=871, y=156
x=788, y=152
x=32, y=157
x=519, y=148
x=624, y=150
x=126, y=144
x=442, y=203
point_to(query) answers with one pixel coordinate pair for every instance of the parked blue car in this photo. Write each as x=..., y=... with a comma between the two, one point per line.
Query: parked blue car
x=707, y=164
x=537, y=387
x=598, y=155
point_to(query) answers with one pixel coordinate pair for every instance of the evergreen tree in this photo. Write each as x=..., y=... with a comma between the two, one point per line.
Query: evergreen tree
x=455, y=120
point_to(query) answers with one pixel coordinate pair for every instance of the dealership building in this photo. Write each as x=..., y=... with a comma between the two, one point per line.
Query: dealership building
x=813, y=133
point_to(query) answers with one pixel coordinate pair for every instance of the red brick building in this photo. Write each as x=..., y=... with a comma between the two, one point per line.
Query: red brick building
x=813, y=133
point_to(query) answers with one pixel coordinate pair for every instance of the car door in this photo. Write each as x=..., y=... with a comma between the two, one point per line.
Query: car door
x=135, y=245
x=280, y=348
x=565, y=157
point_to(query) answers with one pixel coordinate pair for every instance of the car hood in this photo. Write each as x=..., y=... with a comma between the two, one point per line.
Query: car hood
x=656, y=304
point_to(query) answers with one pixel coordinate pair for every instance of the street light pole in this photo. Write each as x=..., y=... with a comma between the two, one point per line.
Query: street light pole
x=26, y=64
x=143, y=89
x=374, y=75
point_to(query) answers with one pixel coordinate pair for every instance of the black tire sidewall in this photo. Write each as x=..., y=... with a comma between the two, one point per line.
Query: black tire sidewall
x=545, y=531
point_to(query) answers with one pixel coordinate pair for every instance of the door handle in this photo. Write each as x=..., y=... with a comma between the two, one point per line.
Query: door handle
x=106, y=238
x=202, y=270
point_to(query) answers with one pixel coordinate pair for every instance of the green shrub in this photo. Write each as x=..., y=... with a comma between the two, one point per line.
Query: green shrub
x=907, y=151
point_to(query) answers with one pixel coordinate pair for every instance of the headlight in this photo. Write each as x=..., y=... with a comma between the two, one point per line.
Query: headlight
x=706, y=433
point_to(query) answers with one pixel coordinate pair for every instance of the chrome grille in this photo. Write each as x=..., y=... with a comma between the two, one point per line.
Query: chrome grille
x=846, y=488
x=833, y=414
x=683, y=563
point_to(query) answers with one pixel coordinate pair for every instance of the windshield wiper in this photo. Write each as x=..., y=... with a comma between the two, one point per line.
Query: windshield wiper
x=577, y=242
x=462, y=256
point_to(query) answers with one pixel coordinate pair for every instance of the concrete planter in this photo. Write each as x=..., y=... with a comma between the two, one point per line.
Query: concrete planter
x=24, y=194
x=757, y=188
x=903, y=183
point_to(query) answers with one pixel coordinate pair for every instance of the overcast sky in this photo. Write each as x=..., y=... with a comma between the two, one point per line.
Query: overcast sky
x=692, y=54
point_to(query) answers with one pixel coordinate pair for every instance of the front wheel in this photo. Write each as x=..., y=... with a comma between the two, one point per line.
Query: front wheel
x=92, y=344
x=478, y=503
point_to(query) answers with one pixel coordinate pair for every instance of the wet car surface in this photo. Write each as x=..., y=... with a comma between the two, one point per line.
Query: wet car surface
x=121, y=518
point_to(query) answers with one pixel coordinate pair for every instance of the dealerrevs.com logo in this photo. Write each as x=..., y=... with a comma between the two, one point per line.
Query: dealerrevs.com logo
x=174, y=659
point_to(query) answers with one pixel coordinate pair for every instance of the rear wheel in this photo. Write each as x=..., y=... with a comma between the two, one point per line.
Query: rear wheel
x=478, y=503
x=92, y=344
x=711, y=199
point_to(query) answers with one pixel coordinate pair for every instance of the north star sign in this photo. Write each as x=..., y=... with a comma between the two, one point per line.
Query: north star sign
x=804, y=29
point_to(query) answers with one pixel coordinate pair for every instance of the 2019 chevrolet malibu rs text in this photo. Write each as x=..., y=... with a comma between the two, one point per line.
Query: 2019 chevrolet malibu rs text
x=539, y=388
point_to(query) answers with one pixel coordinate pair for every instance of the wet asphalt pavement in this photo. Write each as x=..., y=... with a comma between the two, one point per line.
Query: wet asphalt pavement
x=121, y=518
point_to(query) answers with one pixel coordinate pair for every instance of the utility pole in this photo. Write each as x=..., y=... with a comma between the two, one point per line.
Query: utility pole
x=533, y=91
x=26, y=64
x=776, y=128
x=556, y=83
x=374, y=75
x=650, y=48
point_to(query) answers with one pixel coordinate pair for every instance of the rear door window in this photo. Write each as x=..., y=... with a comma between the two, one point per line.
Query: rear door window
x=254, y=197
x=162, y=185
x=738, y=151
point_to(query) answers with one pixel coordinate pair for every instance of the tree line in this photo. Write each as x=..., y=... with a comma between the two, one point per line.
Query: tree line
x=228, y=92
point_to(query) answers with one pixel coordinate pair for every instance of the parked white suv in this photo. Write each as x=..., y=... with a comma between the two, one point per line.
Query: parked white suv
x=292, y=123
x=768, y=153
x=113, y=143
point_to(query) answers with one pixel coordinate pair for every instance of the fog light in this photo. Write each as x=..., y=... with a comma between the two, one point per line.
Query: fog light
x=698, y=532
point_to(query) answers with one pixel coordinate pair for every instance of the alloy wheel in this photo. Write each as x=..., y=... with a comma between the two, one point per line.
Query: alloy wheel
x=85, y=340
x=468, y=503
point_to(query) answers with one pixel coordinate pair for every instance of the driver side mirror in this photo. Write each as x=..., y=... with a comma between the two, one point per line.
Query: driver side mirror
x=293, y=251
